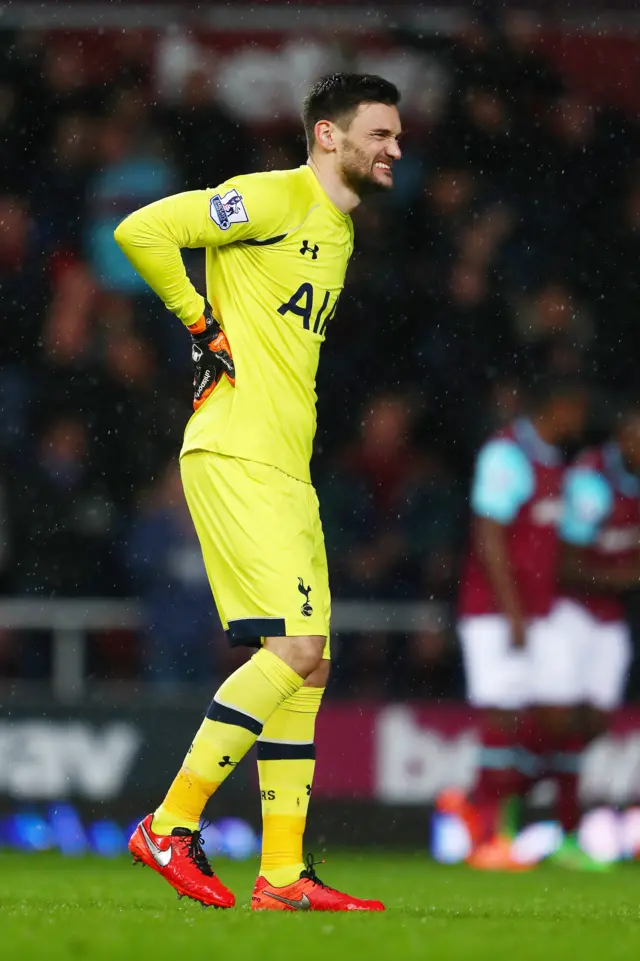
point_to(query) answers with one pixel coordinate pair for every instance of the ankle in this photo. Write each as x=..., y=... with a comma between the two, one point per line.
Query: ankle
x=282, y=876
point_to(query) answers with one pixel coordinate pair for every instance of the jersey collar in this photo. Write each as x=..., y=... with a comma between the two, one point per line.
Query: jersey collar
x=322, y=193
x=534, y=446
x=624, y=481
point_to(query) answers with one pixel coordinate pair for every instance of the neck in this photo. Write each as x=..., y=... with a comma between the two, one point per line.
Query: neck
x=344, y=198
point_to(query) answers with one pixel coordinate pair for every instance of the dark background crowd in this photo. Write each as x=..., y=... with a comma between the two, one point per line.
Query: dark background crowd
x=510, y=246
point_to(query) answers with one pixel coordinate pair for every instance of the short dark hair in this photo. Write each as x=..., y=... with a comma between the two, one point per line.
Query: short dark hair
x=338, y=96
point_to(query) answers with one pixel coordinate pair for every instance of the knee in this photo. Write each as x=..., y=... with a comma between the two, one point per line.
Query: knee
x=595, y=723
x=504, y=722
x=302, y=654
x=556, y=721
x=306, y=654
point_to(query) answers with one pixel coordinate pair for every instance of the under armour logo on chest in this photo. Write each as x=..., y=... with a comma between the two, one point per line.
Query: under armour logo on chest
x=307, y=249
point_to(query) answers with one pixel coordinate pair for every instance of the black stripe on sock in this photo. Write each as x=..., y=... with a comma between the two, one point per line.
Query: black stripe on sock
x=228, y=715
x=272, y=751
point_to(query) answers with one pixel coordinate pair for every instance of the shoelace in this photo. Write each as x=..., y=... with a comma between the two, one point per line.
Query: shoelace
x=310, y=873
x=195, y=846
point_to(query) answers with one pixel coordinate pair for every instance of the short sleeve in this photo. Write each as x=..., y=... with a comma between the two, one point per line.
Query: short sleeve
x=587, y=500
x=503, y=481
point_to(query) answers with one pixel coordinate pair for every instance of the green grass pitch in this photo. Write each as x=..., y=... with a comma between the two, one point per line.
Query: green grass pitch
x=53, y=908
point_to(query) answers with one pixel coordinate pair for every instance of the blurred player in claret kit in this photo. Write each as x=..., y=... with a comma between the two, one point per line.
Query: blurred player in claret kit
x=278, y=245
x=508, y=588
x=600, y=531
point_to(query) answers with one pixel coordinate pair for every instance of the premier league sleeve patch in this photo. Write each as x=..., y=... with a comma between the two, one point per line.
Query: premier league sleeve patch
x=228, y=210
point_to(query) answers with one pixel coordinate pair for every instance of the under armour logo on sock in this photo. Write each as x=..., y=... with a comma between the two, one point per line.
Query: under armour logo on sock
x=227, y=762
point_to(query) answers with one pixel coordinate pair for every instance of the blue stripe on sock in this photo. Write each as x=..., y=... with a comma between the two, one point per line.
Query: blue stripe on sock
x=527, y=763
x=497, y=758
x=566, y=762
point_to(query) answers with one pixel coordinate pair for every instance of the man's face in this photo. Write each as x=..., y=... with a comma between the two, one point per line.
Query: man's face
x=367, y=149
x=571, y=416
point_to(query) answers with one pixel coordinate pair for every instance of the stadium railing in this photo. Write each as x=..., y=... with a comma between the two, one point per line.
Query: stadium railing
x=70, y=620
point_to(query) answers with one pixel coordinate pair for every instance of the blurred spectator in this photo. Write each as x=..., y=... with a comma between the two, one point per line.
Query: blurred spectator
x=433, y=225
x=164, y=557
x=363, y=502
x=432, y=516
x=504, y=402
x=67, y=334
x=470, y=340
x=362, y=498
x=129, y=106
x=64, y=516
x=482, y=135
x=22, y=280
x=279, y=153
x=374, y=272
x=614, y=274
x=554, y=311
x=198, y=120
x=578, y=166
x=134, y=59
x=133, y=172
x=65, y=79
x=136, y=424
x=371, y=499
x=386, y=455
x=19, y=82
x=5, y=532
x=528, y=78
x=62, y=210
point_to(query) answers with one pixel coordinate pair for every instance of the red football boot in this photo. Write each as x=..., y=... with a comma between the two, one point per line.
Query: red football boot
x=453, y=801
x=180, y=860
x=308, y=893
x=496, y=855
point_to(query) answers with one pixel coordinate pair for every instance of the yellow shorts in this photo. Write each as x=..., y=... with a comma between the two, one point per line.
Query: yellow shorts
x=263, y=547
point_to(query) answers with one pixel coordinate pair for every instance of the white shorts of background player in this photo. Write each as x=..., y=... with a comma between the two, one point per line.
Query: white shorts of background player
x=582, y=660
x=497, y=674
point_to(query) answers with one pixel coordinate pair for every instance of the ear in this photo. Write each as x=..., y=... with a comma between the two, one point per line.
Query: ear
x=324, y=132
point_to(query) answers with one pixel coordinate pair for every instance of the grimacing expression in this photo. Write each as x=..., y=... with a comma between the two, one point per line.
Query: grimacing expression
x=367, y=149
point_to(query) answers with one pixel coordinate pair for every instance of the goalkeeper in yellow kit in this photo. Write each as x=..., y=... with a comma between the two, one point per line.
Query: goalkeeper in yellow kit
x=277, y=248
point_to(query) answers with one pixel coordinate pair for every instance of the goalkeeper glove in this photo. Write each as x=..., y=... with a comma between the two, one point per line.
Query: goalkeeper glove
x=211, y=356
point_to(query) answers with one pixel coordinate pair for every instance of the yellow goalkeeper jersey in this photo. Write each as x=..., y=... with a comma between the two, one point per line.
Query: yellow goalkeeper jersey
x=277, y=250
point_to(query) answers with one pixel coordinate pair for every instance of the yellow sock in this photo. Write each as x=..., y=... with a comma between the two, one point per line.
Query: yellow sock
x=233, y=722
x=286, y=762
